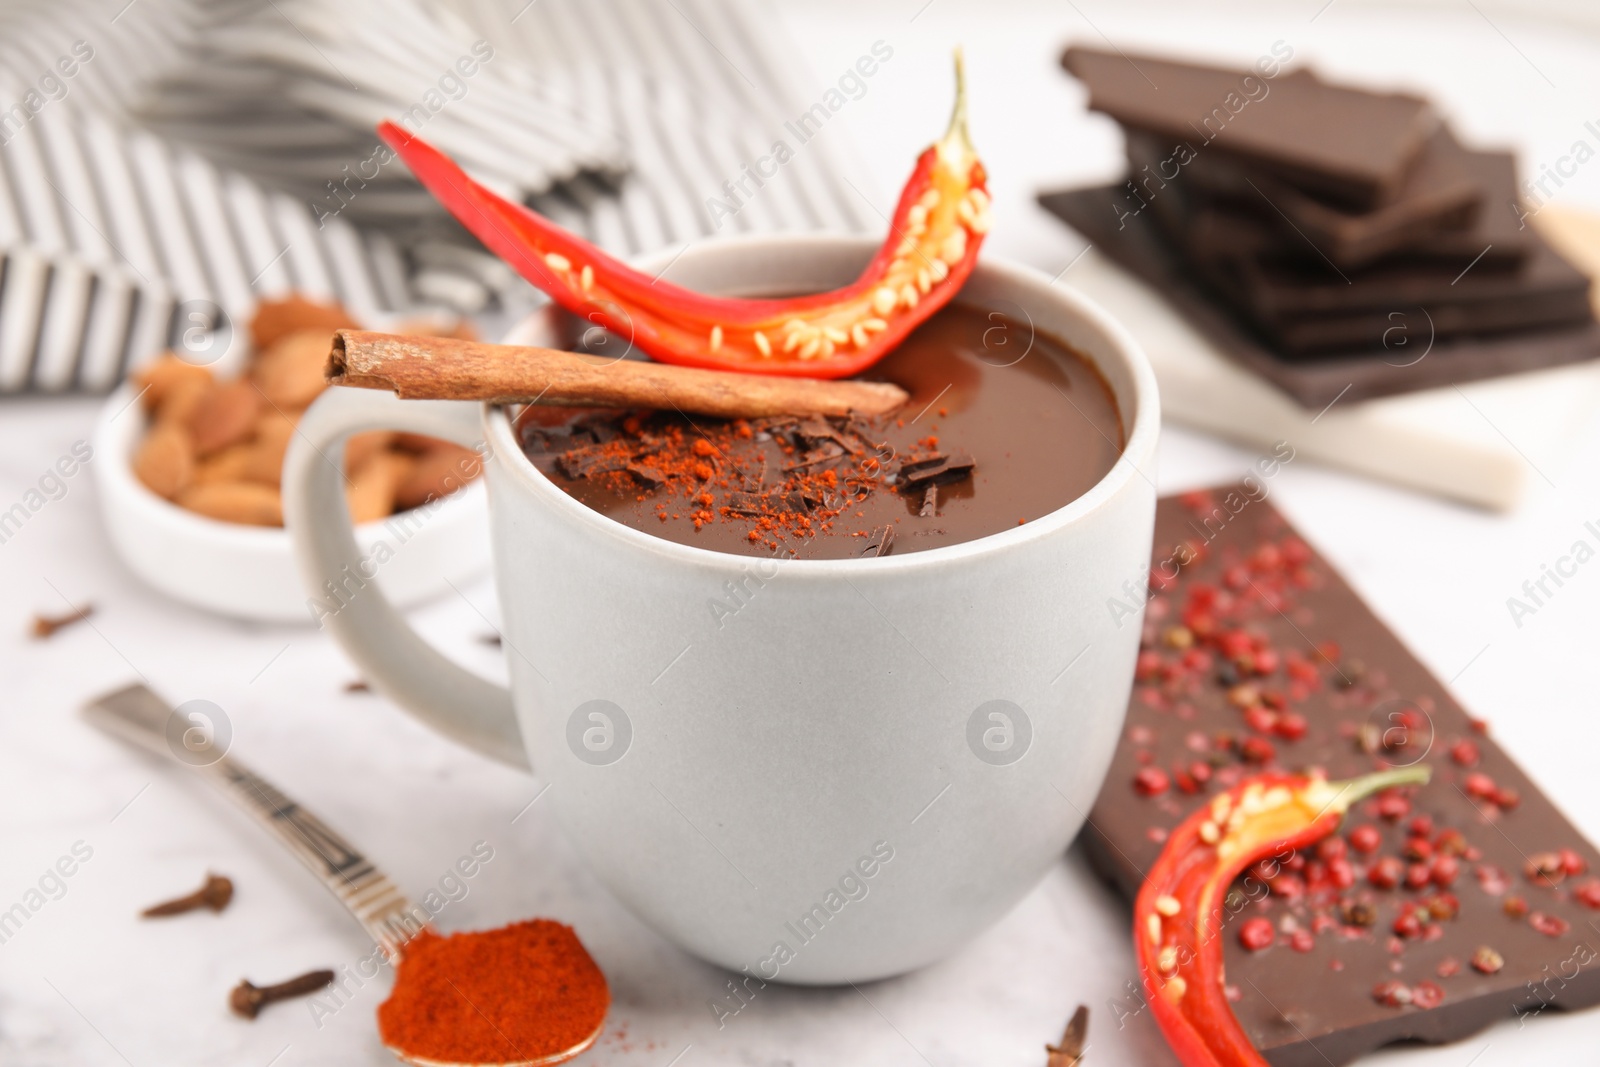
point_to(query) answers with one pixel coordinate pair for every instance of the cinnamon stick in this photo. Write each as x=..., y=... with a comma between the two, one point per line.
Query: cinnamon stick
x=448, y=368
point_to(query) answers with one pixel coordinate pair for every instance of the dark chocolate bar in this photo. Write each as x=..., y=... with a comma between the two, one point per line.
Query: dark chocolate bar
x=1432, y=216
x=1353, y=146
x=1410, y=360
x=1257, y=655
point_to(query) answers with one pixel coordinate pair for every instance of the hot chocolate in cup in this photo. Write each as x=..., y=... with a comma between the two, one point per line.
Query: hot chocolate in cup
x=855, y=765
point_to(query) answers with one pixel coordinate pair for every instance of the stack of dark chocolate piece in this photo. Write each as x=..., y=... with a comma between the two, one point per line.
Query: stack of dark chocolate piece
x=1324, y=223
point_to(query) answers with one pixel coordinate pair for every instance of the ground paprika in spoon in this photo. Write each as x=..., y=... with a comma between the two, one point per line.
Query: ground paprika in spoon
x=527, y=993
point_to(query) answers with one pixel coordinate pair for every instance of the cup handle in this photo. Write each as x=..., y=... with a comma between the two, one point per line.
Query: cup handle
x=396, y=662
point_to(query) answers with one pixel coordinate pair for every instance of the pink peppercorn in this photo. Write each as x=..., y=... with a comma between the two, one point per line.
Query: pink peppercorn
x=1151, y=781
x=1256, y=934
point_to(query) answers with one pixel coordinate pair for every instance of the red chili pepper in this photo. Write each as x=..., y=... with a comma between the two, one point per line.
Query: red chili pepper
x=1179, y=911
x=930, y=250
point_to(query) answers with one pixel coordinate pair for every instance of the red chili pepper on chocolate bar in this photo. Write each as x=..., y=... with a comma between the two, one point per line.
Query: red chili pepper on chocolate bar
x=1179, y=912
x=931, y=248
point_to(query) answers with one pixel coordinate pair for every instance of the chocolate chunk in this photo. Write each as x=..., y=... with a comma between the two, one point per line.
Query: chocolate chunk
x=1349, y=144
x=751, y=504
x=930, y=501
x=546, y=439
x=879, y=542
x=602, y=427
x=1477, y=816
x=754, y=504
x=650, y=476
x=1134, y=242
x=815, y=431
x=824, y=453
x=937, y=469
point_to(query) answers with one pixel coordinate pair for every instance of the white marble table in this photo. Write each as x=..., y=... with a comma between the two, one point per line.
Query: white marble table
x=83, y=983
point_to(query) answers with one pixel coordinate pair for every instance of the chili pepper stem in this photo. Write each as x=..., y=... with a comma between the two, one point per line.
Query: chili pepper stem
x=1342, y=795
x=955, y=147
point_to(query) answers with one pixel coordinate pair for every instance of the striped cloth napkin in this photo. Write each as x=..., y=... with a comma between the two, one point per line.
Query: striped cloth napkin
x=164, y=164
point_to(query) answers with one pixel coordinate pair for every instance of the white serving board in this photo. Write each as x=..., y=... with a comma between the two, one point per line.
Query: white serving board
x=1483, y=442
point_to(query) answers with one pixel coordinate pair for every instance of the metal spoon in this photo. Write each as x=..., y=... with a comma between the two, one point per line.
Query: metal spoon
x=136, y=714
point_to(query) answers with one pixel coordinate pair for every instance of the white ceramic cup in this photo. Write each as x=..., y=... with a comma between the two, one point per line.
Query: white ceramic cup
x=867, y=763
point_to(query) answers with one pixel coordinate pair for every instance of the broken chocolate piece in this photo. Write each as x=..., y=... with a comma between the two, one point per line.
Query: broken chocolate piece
x=1346, y=143
x=590, y=460
x=1442, y=211
x=930, y=501
x=650, y=476
x=937, y=469
x=879, y=542
x=826, y=452
x=601, y=426
x=545, y=439
x=755, y=504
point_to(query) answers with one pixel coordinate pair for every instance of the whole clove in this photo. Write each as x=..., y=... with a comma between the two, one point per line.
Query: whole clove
x=1068, y=1052
x=215, y=894
x=247, y=1000
x=46, y=625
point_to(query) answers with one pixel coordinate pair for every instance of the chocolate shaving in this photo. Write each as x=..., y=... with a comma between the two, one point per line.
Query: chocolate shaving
x=816, y=432
x=930, y=501
x=938, y=469
x=880, y=542
x=493, y=640
x=46, y=625
x=357, y=686
x=824, y=453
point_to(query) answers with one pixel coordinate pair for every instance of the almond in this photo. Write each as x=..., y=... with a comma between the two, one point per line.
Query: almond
x=363, y=446
x=164, y=461
x=161, y=376
x=290, y=373
x=240, y=502
x=274, y=431
x=276, y=319
x=226, y=416
x=439, y=472
x=417, y=443
x=183, y=399
x=370, y=493
x=228, y=465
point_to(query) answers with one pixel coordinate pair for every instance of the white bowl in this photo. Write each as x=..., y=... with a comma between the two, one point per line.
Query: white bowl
x=249, y=572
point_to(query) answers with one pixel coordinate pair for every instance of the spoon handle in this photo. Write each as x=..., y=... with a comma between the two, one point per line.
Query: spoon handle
x=137, y=715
